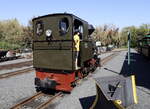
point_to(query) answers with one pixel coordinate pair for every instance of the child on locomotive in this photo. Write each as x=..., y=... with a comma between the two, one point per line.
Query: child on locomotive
x=76, y=39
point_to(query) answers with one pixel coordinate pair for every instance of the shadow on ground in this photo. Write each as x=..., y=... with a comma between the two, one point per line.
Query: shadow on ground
x=87, y=102
x=140, y=67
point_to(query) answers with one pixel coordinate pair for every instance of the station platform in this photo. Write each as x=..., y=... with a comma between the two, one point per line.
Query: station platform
x=83, y=95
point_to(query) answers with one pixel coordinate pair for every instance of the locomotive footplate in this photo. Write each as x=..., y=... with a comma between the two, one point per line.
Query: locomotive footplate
x=46, y=83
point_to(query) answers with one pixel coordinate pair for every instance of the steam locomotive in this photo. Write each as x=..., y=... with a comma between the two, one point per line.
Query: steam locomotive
x=53, y=51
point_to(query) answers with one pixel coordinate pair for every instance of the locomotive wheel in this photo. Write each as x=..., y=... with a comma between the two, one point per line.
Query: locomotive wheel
x=92, y=67
x=73, y=84
x=38, y=89
x=85, y=71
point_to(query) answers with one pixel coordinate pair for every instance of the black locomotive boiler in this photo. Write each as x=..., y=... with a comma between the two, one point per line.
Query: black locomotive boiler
x=53, y=51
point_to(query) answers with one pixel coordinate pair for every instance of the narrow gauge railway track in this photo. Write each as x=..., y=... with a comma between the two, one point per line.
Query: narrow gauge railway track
x=37, y=101
x=16, y=65
x=102, y=62
x=108, y=58
x=42, y=101
x=10, y=74
x=114, y=50
x=6, y=75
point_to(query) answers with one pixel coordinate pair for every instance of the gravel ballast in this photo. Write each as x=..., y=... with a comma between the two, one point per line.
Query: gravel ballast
x=15, y=89
x=15, y=61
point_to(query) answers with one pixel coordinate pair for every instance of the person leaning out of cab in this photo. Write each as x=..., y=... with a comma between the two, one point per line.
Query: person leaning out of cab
x=76, y=39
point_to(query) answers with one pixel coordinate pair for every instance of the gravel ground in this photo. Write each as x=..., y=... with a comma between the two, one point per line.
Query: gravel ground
x=20, y=87
x=105, y=55
x=14, y=62
x=11, y=93
x=85, y=89
x=14, y=69
x=87, y=86
x=16, y=88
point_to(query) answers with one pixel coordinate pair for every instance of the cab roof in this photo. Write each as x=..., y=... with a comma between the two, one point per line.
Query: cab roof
x=58, y=14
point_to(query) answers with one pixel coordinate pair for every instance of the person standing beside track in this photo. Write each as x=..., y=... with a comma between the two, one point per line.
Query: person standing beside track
x=76, y=39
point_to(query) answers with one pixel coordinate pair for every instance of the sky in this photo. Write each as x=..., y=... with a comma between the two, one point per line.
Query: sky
x=121, y=13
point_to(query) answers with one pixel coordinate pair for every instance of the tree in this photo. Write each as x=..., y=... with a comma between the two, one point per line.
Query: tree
x=107, y=34
x=27, y=36
x=13, y=35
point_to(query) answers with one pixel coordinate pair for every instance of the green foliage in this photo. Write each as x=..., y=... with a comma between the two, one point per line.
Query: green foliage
x=8, y=46
x=137, y=32
x=13, y=35
x=107, y=34
x=110, y=34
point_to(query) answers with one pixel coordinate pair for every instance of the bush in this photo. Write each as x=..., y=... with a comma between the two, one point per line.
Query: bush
x=8, y=46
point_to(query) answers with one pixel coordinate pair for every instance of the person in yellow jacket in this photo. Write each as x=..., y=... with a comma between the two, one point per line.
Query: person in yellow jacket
x=76, y=39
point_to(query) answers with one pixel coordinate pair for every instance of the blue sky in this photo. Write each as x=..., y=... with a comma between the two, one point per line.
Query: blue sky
x=121, y=13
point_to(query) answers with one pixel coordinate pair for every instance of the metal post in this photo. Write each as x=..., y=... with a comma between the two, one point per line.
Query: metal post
x=129, y=60
x=129, y=48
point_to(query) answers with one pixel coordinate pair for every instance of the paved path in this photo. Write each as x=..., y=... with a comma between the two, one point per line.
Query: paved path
x=116, y=66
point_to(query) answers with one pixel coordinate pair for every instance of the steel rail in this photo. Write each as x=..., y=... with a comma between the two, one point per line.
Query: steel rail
x=18, y=106
x=38, y=95
x=114, y=50
x=6, y=75
x=26, y=70
x=16, y=65
x=102, y=62
x=46, y=104
x=108, y=58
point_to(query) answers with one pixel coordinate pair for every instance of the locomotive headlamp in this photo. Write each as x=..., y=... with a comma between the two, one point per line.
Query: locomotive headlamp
x=48, y=32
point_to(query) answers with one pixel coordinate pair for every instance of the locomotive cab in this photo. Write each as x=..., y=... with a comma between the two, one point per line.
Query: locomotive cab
x=53, y=49
x=53, y=41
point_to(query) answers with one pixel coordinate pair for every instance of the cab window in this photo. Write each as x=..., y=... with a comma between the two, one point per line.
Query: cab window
x=78, y=25
x=39, y=28
x=63, y=26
